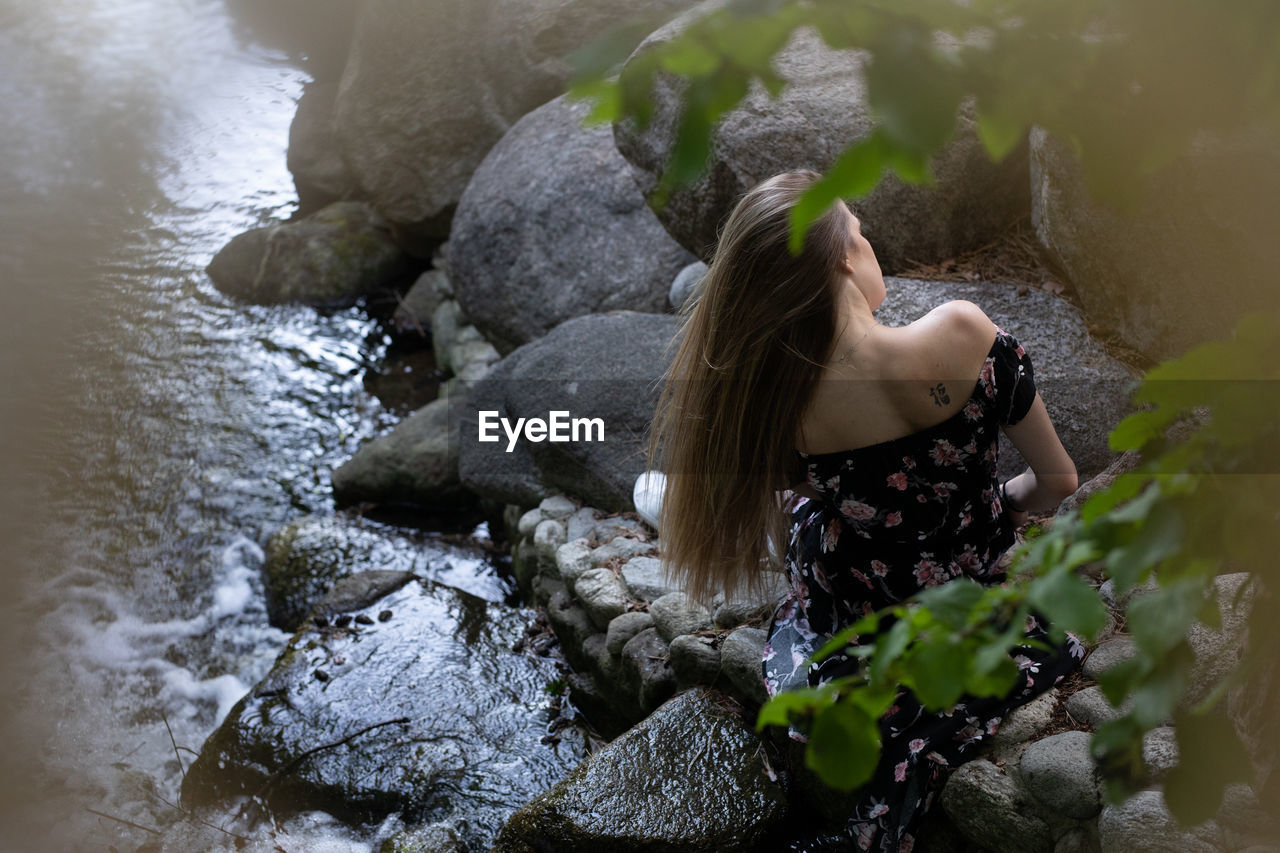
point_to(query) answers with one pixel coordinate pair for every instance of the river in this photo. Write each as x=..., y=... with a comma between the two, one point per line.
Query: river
x=152, y=431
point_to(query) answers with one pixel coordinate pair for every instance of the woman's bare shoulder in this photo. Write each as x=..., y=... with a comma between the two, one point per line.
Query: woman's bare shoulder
x=956, y=335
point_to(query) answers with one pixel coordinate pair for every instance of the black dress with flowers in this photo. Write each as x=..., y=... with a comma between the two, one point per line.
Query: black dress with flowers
x=894, y=518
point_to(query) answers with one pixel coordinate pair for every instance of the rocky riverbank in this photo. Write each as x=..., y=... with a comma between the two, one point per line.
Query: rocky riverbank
x=428, y=692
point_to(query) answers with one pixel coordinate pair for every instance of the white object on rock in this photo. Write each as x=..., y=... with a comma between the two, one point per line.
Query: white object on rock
x=647, y=496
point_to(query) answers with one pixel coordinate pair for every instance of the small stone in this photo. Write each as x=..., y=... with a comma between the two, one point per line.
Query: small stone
x=603, y=595
x=693, y=661
x=1091, y=708
x=1025, y=722
x=529, y=522
x=613, y=526
x=548, y=536
x=742, y=658
x=1059, y=771
x=571, y=624
x=320, y=620
x=543, y=588
x=1143, y=824
x=573, y=558
x=1116, y=650
x=645, y=579
x=1076, y=840
x=745, y=608
x=990, y=811
x=622, y=628
x=1118, y=601
x=364, y=619
x=608, y=666
x=557, y=507
x=342, y=621
x=646, y=669
x=321, y=675
x=675, y=614
x=685, y=285
x=1160, y=751
x=384, y=615
x=620, y=547
x=582, y=524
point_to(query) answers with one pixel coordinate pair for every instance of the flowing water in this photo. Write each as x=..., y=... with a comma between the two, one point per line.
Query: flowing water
x=152, y=431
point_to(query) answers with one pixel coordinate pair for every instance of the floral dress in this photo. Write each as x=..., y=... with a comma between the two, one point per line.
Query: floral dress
x=894, y=518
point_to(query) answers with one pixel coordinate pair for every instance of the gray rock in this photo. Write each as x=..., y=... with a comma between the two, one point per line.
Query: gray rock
x=694, y=660
x=548, y=536
x=645, y=578
x=822, y=110
x=544, y=588
x=447, y=321
x=424, y=839
x=573, y=558
x=1242, y=818
x=437, y=707
x=745, y=607
x=646, y=670
x=742, y=656
x=610, y=527
x=686, y=282
x=413, y=314
x=529, y=522
x=558, y=507
x=991, y=812
x=1139, y=275
x=552, y=226
x=1083, y=387
x=1143, y=824
x=1118, y=601
x=582, y=524
x=620, y=548
x=307, y=557
x=314, y=157
x=1077, y=840
x=428, y=90
x=571, y=624
x=603, y=595
x=1116, y=650
x=416, y=463
x=1090, y=707
x=624, y=627
x=1059, y=771
x=1024, y=723
x=1123, y=464
x=606, y=665
x=676, y=613
x=358, y=591
x=601, y=366
x=1219, y=651
x=333, y=256
x=1160, y=751
x=688, y=778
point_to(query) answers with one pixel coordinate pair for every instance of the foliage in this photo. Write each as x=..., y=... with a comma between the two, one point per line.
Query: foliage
x=1130, y=85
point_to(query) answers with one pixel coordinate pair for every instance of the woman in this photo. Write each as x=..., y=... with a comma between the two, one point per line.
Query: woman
x=793, y=425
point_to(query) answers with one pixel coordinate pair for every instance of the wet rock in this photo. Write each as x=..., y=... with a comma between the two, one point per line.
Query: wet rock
x=685, y=284
x=430, y=711
x=688, y=778
x=1059, y=771
x=424, y=839
x=1107, y=655
x=334, y=256
x=606, y=665
x=742, y=656
x=416, y=463
x=413, y=314
x=991, y=811
x=315, y=158
x=571, y=624
x=1083, y=387
x=600, y=366
x=822, y=110
x=645, y=578
x=552, y=226
x=1208, y=216
x=602, y=594
x=694, y=660
x=646, y=670
x=428, y=90
x=622, y=628
x=358, y=591
x=1143, y=824
x=676, y=613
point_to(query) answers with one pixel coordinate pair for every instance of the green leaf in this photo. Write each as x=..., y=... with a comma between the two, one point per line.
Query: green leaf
x=999, y=134
x=855, y=173
x=844, y=746
x=779, y=710
x=997, y=681
x=1210, y=757
x=1159, y=620
x=935, y=670
x=889, y=649
x=952, y=603
x=1069, y=603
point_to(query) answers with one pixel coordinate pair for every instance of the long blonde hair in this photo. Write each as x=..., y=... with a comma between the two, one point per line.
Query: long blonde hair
x=754, y=343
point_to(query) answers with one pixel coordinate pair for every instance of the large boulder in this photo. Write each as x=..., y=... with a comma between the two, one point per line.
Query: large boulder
x=1083, y=387
x=418, y=706
x=416, y=463
x=1195, y=251
x=690, y=777
x=604, y=366
x=430, y=87
x=336, y=255
x=314, y=157
x=822, y=111
x=552, y=226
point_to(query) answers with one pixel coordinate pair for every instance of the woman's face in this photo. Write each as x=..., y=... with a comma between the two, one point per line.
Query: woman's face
x=863, y=266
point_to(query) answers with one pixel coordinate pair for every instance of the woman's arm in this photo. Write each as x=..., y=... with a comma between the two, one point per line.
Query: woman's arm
x=1051, y=475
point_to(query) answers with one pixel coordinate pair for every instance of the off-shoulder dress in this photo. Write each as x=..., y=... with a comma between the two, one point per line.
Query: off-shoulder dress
x=894, y=518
